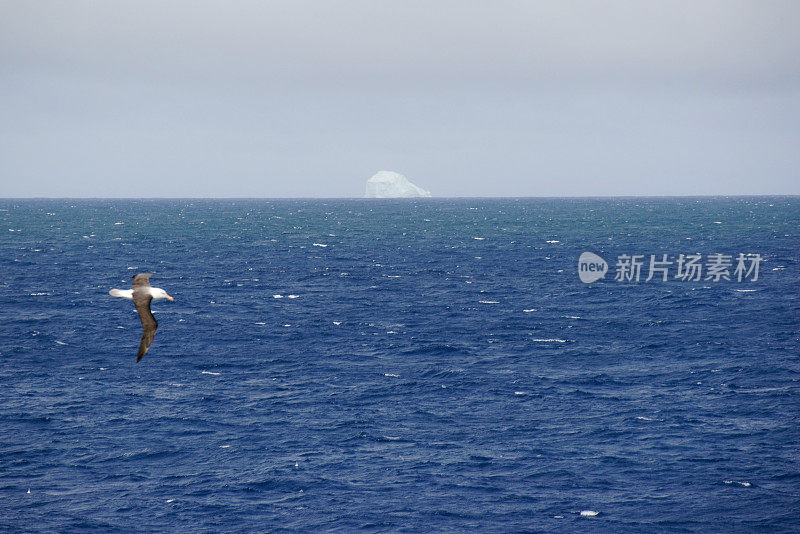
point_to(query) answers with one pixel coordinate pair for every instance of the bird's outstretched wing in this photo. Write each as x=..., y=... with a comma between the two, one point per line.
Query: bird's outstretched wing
x=149, y=325
x=142, y=280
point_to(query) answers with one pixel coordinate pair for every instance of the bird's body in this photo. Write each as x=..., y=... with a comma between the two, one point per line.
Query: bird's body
x=141, y=295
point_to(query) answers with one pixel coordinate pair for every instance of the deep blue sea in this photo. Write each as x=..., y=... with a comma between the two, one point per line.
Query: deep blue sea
x=425, y=365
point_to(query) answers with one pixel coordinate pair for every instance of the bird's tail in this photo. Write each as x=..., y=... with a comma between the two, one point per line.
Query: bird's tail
x=119, y=293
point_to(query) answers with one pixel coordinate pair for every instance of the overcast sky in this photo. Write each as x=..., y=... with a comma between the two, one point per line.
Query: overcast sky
x=309, y=99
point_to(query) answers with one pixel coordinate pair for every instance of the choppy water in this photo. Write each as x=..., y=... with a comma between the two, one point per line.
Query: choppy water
x=431, y=365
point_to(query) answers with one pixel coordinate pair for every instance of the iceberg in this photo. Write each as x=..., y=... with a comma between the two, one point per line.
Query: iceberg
x=388, y=184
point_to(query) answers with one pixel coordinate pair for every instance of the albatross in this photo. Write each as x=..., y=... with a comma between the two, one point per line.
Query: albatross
x=141, y=295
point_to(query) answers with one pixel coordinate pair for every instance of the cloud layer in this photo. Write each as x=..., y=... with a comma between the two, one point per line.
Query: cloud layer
x=465, y=98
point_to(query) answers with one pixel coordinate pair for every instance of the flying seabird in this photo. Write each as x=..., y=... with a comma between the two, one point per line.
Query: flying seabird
x=141, y=295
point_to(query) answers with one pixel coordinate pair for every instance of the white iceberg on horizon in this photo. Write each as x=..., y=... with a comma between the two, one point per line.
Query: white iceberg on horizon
x=388, y=184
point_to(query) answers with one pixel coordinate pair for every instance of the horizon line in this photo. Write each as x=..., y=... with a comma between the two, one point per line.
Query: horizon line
x=745, y=195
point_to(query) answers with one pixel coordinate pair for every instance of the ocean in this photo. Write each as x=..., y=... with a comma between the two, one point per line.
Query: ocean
x=429, y=365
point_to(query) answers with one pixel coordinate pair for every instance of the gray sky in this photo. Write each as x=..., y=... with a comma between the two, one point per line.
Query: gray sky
x=300, y=99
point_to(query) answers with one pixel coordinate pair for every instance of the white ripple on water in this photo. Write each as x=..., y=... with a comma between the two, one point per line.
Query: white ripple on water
x=549, y=340
x=588, y=513
x=209, y=373
x=489, y=301
x=743, y=484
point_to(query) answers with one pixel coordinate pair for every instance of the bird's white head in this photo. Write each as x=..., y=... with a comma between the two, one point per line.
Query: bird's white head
x=159, y=294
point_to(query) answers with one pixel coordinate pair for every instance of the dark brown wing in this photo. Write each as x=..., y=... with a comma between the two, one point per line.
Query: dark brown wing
x=142, y=280
x=142, y=298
